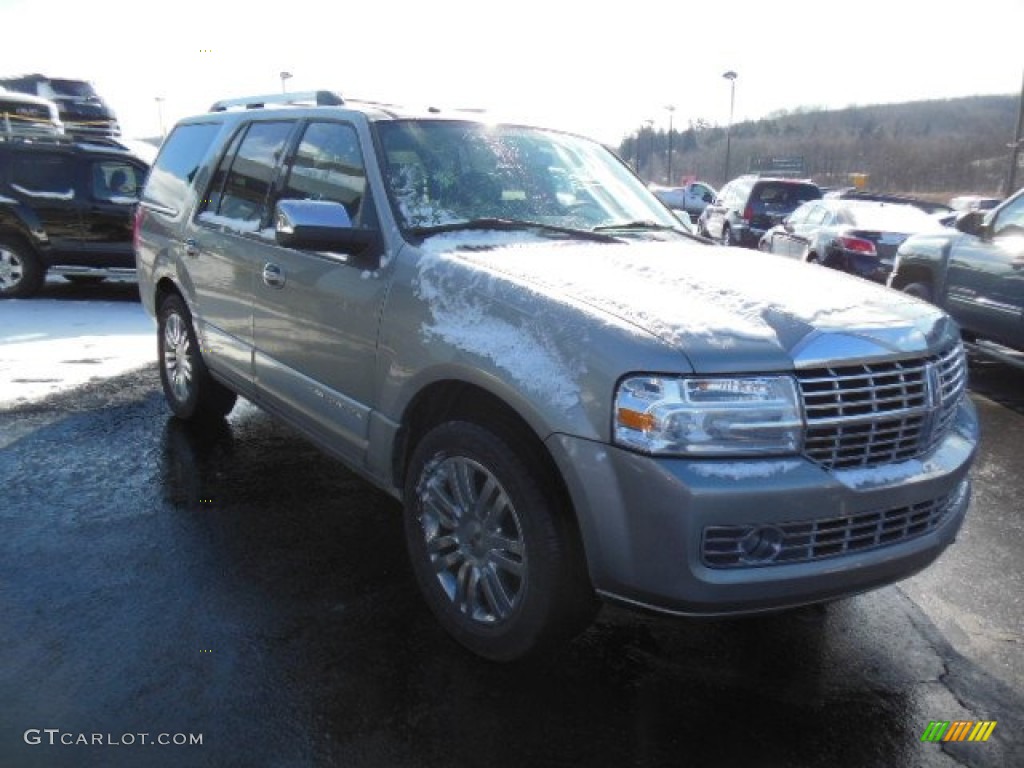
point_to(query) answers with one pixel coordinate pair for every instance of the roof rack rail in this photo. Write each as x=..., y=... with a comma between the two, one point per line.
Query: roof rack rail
x=63, y=139
x=299, y=98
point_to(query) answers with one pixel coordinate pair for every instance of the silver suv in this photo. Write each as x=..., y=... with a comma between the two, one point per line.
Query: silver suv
x=503, y=328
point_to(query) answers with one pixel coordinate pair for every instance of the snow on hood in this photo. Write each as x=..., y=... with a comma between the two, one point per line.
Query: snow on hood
x=525, y=349
x=693, y=294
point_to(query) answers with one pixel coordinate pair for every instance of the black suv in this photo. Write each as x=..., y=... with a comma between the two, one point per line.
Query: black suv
x=65, y=206
x=748, y=206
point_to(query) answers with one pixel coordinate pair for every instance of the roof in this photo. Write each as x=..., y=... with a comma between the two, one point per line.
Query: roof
x=374, y=110
x=880, y=197
x=65, y=141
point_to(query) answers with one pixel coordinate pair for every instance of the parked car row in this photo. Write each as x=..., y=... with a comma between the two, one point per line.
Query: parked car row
x=855, y=236
x=81, y=110
x=967, y=257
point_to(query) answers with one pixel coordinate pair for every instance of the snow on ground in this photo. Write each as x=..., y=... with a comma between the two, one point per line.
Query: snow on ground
x=53, y=345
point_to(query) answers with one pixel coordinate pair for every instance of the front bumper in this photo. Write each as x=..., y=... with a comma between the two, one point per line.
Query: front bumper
x=643, y=521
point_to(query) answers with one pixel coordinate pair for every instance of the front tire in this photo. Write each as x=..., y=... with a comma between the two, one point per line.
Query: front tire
x=21, y=270
x=190, y=390
x=490, y=544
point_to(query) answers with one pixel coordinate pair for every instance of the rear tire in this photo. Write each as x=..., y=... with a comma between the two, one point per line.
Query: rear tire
x=491, y=546
x=726, y=236
x=191, y=391
x=22, y=272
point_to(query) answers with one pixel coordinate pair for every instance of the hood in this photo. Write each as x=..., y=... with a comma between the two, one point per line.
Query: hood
x=725, y=309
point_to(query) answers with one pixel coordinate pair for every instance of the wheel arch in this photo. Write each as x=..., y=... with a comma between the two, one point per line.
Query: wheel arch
x=914, y=273
x=460, y=400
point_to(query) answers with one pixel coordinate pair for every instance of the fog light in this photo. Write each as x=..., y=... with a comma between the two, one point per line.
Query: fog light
x=761, y=545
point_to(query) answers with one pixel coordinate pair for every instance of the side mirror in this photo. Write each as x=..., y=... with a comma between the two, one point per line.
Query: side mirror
x=971, y=223
x=787, y=224
x=321, y=225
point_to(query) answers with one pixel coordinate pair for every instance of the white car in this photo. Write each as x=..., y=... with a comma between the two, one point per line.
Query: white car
x=692, y=198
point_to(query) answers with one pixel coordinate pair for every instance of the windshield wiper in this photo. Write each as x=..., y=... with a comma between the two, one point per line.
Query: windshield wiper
x=649, y=226
x=513, y=225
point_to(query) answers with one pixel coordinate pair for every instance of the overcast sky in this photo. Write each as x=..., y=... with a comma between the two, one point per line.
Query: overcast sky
x=598, y=69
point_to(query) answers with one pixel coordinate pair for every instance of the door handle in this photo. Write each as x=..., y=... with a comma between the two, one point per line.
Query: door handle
x=191, y=248
x=273, y=275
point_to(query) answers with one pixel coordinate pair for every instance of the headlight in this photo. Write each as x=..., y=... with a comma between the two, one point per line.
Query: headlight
x=750, y=416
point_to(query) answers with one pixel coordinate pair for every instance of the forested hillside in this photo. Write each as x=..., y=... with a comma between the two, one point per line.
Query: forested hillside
x=926, y=147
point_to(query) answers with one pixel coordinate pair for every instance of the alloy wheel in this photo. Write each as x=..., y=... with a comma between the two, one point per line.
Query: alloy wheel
x=474, y=538
x=11, y=269
x=178, y=356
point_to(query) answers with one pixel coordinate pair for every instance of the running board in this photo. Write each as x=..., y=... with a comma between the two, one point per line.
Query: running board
x=996, y=352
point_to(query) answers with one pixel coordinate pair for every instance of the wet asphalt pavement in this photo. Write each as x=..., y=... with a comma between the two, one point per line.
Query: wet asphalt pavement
x=236, y=584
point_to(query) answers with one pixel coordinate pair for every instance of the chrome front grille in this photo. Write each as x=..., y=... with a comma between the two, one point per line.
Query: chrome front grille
x=951, y=384
x=878, y=413
x=744, y=546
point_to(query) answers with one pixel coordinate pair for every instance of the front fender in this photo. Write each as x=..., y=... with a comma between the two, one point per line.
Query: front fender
x=21, y=220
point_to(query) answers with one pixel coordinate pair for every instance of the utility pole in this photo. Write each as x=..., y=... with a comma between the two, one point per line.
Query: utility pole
x=671, y=112
x=650, y=150
x=731, y=77
x=1011, y=181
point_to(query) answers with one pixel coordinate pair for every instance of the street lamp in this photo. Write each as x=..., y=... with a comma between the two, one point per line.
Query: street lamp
x=731, y=77
x=671, y=110
x=285, y=77
x=160, y=115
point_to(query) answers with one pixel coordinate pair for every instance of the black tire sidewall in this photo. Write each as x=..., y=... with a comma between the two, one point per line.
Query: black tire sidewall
x=207, y=399
x=183, y=409
x=34, y=270
x=535, y=616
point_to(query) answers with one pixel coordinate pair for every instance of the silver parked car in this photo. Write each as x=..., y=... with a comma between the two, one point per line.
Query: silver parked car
x=502, y=327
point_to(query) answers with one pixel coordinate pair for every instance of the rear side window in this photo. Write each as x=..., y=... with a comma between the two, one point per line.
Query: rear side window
x=178, y=163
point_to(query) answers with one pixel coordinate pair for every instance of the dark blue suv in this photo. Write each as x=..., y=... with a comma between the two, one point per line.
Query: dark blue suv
x=748, y=206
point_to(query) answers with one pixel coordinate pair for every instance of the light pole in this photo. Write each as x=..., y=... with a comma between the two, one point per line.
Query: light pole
x=160, y=115
x=285, y=77
x=671, y=111
x=731, y=77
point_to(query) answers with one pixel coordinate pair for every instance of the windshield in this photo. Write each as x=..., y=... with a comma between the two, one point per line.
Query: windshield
x=75, y=89
x=447, y=173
